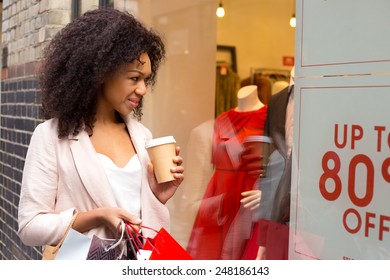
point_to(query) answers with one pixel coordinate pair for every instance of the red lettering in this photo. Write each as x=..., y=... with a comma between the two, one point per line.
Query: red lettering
x=382, y=227
x=330, y=173
x=371, y=222
x=365, y=200
x=336, y=136
x=359, y=220
x=380, y=129
x=368, y=224
x=357, y=134
x=385, y=170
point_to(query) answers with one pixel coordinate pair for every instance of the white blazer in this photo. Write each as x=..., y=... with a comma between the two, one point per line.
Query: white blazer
x=64, y=175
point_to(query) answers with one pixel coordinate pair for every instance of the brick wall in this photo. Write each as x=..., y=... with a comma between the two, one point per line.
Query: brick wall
x=27, y=26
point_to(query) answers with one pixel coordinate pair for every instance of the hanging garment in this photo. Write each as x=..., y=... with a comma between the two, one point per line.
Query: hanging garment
x=221, y=201
x=263, y=84
x=227, y=85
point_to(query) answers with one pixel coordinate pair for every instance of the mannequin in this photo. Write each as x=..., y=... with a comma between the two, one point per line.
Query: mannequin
x=222, y=223
x=248, y=99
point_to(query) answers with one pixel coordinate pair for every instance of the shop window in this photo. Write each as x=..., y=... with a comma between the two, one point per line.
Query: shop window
x=81, y=6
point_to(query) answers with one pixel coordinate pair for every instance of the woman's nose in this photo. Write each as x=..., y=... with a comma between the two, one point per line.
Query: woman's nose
x=141, y=88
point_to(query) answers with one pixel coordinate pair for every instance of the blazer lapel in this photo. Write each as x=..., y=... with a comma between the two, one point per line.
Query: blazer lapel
x=91, y=170
x=278, y=121
x=136, y=138
x=139, y=137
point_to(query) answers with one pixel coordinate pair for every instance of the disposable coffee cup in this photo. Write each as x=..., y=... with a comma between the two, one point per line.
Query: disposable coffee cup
x=260, y=145
x=161, y=153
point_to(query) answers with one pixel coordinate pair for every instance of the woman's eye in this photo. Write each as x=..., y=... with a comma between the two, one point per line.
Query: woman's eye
x=135, y=79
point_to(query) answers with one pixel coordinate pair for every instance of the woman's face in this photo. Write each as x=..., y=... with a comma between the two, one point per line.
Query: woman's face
x=123, y=91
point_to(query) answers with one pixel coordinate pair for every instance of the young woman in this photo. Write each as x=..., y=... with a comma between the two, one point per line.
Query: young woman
x=89, y=155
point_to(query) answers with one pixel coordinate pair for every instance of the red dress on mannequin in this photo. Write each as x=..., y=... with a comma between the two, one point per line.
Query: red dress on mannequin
x=219, y=208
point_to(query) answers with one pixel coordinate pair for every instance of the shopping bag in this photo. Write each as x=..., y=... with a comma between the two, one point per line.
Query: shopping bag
x=165, y=247
x=50, y=252
x=161, y=247
x=75, y=246
x=78, y=246
x=107, y=249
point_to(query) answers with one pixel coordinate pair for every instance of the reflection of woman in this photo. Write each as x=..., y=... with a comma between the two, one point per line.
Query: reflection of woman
x=221, y=201
x=198, y=173
x=89, y=157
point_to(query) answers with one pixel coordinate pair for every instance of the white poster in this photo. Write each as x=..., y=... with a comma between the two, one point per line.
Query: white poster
x=341, y=154
x=338, y=37
x=341, y=178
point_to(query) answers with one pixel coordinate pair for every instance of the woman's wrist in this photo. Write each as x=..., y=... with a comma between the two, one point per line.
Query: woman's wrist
x=88, y=220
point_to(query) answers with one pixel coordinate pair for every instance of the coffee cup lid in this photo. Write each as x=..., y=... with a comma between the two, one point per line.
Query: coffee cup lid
x=258, y=138
x=159, y=141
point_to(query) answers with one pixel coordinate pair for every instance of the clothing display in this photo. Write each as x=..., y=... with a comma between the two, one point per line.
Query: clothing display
x=263, y=83
x=216, y=217
x=227, y=85
x=265, y=80
x=275, y=202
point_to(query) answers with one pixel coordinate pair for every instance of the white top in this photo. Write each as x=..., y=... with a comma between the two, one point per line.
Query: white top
x=125, y=182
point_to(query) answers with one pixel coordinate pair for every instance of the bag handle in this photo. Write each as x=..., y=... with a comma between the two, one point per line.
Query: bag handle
x=120, y=239
x=137, y=243
x=57, y=247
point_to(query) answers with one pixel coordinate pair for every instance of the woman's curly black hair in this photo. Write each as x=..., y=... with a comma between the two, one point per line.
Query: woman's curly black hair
x=82, y=55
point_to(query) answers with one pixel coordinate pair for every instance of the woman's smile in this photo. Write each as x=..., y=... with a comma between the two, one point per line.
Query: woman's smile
x=133, y=102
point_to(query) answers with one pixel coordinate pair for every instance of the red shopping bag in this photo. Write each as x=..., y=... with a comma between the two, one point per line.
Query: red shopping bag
x=165, y=247
x=162, y=246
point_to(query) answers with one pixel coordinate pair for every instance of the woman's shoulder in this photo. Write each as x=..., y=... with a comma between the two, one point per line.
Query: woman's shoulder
x=47, y=126
x=45, y=134
x=47, y=129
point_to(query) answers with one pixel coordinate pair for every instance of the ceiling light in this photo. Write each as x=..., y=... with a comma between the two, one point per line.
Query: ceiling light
x=293, y=21
x=220, y=10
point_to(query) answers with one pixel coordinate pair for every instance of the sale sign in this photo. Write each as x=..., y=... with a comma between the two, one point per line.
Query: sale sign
x=341, y=175
x=341, y=152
